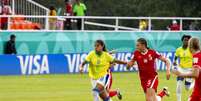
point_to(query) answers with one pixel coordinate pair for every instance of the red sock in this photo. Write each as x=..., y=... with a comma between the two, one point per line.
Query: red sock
x=112, y=93
x=161, y=94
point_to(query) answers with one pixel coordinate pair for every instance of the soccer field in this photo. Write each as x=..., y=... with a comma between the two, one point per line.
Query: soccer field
x=75, y=87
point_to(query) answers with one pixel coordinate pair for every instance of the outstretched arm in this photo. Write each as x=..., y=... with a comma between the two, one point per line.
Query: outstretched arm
x=192, y=74
x=119, y=62
x=167, y=66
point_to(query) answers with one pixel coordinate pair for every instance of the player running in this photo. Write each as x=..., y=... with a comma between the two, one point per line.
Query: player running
x=194, y=46
x=99, y=63
x=145, y=59
x=185, y=65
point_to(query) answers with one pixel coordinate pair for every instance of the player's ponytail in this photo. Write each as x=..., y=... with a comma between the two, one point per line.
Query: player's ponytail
x=101, y=42
x=143, y=41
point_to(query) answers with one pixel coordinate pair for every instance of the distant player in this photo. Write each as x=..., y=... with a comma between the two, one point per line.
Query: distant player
x=194, y=46
x=99, y=63
x=185, y=65
x=146, y=61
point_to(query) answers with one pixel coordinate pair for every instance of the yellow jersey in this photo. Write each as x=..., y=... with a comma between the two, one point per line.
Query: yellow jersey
x=98, y=64
x=186, y=58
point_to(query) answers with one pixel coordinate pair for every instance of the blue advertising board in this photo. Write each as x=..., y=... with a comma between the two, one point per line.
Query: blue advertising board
x=60, y=63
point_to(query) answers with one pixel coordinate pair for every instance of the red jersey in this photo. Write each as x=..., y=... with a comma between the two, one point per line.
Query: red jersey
x=146, y=63
x=197, y=63
x=174, y=27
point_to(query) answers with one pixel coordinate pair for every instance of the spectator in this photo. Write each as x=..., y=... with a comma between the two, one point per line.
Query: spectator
x=143, y=25
x=10, y=46
x=193, y=25
x=174, y=26
x=79, y=10
x=52, y=21
x=5, y=9
x=69, y=12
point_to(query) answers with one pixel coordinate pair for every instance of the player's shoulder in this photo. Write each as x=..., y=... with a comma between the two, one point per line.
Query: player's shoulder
x=91, y=52
x=151, y=51
x=197, y=54
x=179, y=49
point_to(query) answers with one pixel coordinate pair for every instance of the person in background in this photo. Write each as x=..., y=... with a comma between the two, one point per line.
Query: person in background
x=79, y=9
x=174, y=26
x=143, y=25
x=69, y=12
x=52, y=21
x=10, y=46
x=5, y=9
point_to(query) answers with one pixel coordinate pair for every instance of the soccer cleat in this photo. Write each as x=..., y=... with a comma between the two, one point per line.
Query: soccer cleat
x=167, y=93
x=119, y=94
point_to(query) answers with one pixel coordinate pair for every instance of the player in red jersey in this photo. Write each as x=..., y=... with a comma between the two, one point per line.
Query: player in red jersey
x=145, y=59
x=194, y=45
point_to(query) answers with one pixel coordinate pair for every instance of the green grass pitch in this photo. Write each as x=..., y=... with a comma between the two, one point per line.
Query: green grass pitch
x=76, y=87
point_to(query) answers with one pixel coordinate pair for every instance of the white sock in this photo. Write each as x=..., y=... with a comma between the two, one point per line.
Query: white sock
x=95, y=96
x=158, y=98
x=179, y=90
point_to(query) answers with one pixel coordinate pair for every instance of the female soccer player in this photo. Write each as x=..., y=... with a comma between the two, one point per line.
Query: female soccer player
x=145, y=59
x=99, y=63
x=185, y=65
x=194, y=45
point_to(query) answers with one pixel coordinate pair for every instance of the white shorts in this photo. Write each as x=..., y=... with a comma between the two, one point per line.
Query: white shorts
x=104, y=81
x=185, y=70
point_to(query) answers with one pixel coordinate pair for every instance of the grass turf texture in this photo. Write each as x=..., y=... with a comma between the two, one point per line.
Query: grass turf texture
x=76, y=87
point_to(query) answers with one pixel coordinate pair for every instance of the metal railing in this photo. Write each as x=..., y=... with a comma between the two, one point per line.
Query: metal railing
x=86, y=21
x=30, y=7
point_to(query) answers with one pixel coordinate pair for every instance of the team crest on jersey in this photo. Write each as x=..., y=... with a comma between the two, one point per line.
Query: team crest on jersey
x=98, y=62
x=145, y=60
x=195, y=60
x=150, y=57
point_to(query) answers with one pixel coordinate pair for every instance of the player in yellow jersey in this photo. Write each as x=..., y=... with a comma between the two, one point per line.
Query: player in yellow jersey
x=185, y=65
x=99, y=62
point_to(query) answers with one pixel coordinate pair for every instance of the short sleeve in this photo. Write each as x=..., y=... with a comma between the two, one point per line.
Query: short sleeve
x=88, y=57
x=177, y=53
x=134, y=56
x=75, y=9
x=84, y=7
x=157, y=54
x=110, y=58
x=195, y=61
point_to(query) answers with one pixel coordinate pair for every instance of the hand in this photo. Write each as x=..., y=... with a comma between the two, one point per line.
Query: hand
x=176, y=72
x=175, y=64
x=168, y=75
x=81, y=69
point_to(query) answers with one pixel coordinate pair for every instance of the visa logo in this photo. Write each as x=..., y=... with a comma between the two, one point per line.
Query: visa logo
x=34, y=64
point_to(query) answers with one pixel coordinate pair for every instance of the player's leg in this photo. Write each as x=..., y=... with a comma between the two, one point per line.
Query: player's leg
x=113, y=93
x=101, y=88
x=102, y=92
x=94, y=93
x=179, y=88
x=150, y=94
x=162, y=93
x=188, y=83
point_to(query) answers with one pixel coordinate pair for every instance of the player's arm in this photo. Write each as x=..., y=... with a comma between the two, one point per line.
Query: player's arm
x=167, y=63
x=175, y=61
x=130, y=64
x=192, y=74
x=119, y=62
x=81, y=68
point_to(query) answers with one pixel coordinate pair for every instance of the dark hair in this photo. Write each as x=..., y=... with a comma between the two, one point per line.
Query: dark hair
x=51, y=10
x=101, y=42
x=143, y=41
x=185, y=36
x=12, y=36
